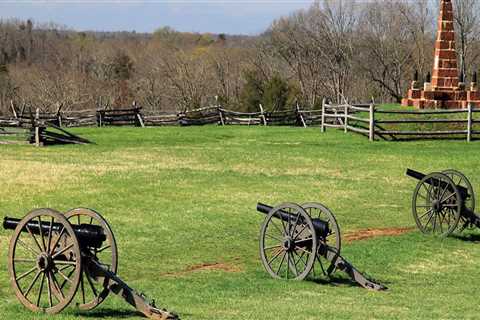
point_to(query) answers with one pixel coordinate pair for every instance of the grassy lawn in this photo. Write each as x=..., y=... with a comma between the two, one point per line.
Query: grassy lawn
x=182, y=198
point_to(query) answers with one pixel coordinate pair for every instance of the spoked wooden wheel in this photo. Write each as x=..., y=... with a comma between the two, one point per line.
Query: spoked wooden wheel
x=469, y=202
x=94, y=287
x=327, y=242
x=44, y=274
x=436, y=204
x=288, y=248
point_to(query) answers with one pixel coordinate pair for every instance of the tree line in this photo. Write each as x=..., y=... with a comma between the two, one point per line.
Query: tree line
x=341, y=49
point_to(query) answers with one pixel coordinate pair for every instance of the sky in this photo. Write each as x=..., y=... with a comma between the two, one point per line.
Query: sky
x=228, y=16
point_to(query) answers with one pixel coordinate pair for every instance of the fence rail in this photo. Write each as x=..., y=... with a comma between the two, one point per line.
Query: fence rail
x=340, y=116
x=365, y=119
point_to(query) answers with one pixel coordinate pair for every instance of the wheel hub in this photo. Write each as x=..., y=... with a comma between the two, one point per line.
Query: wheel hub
x=437, y=206
x=44, y=262
x=288, y=244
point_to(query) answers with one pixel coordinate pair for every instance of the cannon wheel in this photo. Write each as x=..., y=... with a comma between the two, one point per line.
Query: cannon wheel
x=36, y=262
x=332, y=241
x=288, y=248
x=436, y=204
x=460, y=179
x=94, y=289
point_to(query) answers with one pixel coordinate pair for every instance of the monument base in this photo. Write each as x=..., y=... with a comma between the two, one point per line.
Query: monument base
x=441, y=98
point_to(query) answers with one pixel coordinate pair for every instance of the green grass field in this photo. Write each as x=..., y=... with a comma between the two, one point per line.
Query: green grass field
x=179, y=199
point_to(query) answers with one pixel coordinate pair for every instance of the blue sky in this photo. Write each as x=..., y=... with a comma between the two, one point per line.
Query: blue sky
x=238, y=17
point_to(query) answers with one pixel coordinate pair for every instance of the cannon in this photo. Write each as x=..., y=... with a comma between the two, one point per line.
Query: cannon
x=294, y=238
x=443, y=202
x=52, y=256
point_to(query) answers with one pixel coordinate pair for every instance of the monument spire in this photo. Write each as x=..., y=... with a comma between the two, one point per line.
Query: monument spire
x=445, y=72
x=444, y=89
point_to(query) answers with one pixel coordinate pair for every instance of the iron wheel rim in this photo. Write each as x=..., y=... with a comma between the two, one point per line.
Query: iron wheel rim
x=433, y=202
x=57, y=263
x=296, y=261
x=332, y=241
x=99, y=291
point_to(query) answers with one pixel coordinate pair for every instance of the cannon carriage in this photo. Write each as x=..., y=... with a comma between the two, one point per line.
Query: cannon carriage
x=295, y=241
x=443, y=202
x=57, y=258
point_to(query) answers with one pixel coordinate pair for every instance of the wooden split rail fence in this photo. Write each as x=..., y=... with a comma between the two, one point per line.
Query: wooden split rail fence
x=372, y=122
x=365, y=119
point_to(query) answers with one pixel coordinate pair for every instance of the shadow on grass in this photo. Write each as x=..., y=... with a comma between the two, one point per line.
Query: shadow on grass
x=109, y=313
x=341, y=281
x=468, y=237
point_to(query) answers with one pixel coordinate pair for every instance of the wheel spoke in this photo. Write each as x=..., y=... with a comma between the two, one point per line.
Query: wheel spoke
x=23, y=260
x=302, y=249
x=321, y=265
x=57, y=240
x=274, y=238
x=295, y=225
x=423, y=215
x=295, y=265
x=448, y=198
x=300, y=259
x=28, y=247
x=91, y=284
x=23, y=275
x=63, y=250
x=41, y=289
x=443, y=192
x=274, y=257
x=49, y=290
x=305, y=226
x=49, y=236
x=103, y=248
x=440, y=215
x=41, y=233
x=82, y=286
x=450, y=205
x=32, y=283
x=288, y=264
x=62, y=262
x=69, y=275
x=272, y=247
x=57, y=286
x=64, y=276
x=34, y=238
x=272, y=221
x=281, y=262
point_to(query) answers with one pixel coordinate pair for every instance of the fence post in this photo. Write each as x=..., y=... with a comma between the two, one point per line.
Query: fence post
x=345, y=121
x=262, y=115
x=99, y=114
x=13, y=109
x=36, y=124
x=371, y=131
x=59, y=115
x=138, y=115
x=300, y=116
x=220, y=113
x=322, y=126
x=469, y=122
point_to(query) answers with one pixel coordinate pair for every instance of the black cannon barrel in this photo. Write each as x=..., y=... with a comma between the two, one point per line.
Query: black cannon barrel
x=419, y=176
x=415, y=174
x=87, y=234
x=321, y=227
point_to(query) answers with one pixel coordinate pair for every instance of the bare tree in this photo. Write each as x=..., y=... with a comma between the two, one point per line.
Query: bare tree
x=467, y=20
x=387, y=46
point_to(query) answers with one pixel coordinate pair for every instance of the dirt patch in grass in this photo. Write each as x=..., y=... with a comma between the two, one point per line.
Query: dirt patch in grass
x=378, y=232
x=216, y=266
